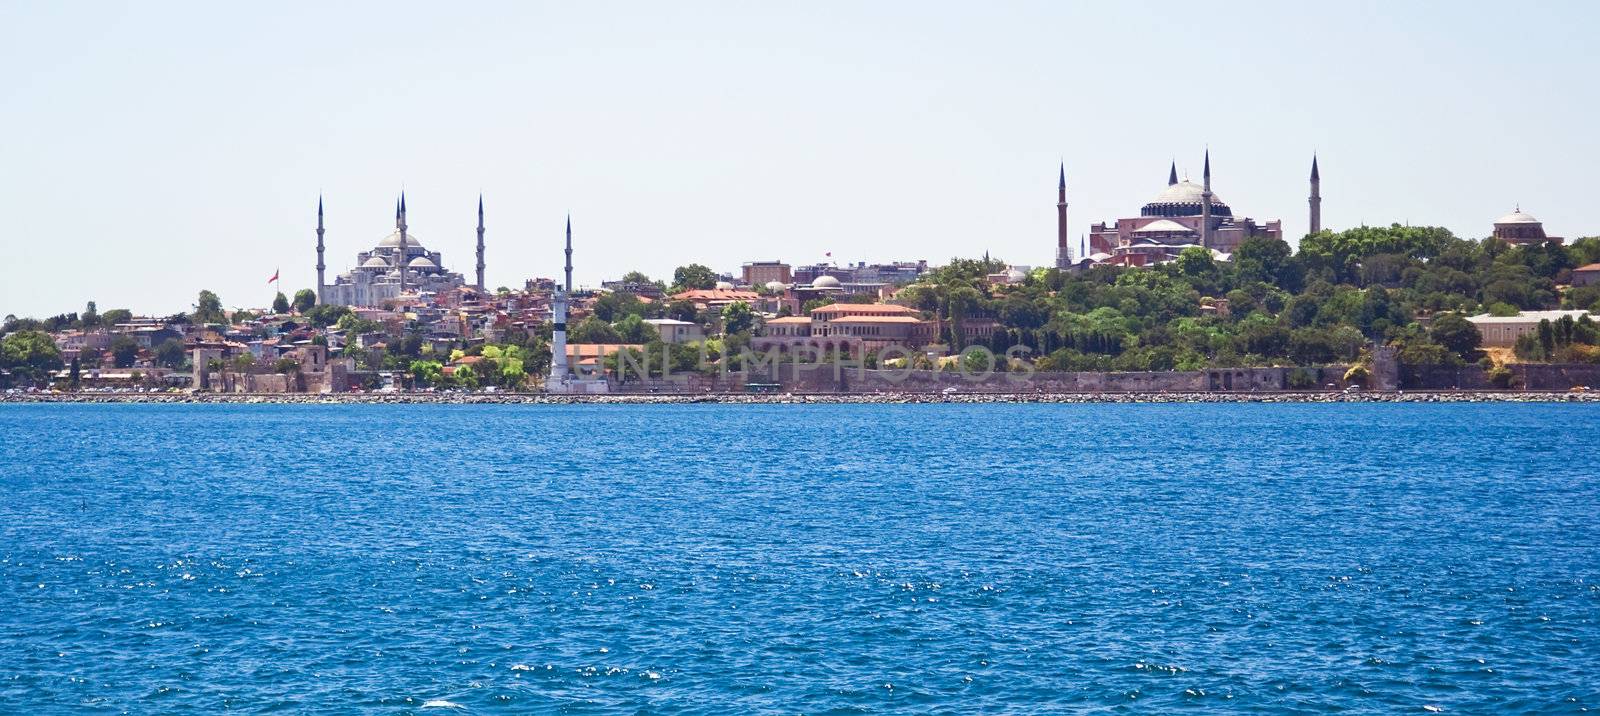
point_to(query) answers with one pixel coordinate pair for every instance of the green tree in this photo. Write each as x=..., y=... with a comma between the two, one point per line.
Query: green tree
x=280, y=304
x=90, y=317
x=737, y=317
x=693, y=276
x=1456, y=333
x=208, y=309
x=30, y=355
x=425, y=373
x=304, y=299
x=124, y=351
x=169, y=353
x=115, y=316
x=683, y=311
x=593, y=330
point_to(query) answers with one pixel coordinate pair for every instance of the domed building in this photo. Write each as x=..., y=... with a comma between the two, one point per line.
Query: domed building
x=398, y=264
x=1521, y=229
x=1181, y=216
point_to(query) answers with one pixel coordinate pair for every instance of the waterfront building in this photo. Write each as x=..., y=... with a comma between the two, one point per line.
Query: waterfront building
x=1521, y=229
x=676, y=331
x=398, y=264
x=1503, y=331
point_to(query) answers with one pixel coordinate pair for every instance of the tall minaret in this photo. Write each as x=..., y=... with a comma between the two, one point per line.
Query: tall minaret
x=402, y=227
x=1205, y=204
x=320, y=266
x=480, y=243
x=1316, y=197
x=569, y=253
x=1172, y=176
x=1063, y=243
x=557, y=382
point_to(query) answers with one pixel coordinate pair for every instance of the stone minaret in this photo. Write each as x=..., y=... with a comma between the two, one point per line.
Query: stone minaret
x=320, y=265
x=400, y=224
x=480, y=243
x=1316, y=197
x=1063, y=243
x=558, y=326
x=1205, y=204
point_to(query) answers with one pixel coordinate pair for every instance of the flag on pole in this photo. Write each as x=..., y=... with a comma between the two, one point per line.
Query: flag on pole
x=274, y=276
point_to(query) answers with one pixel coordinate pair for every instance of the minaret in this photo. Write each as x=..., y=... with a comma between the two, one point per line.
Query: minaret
x=557, y=382
x=400, y=223
x=1205, y=204
x=480, y=243
x=1316, y=197
x=1172, y=176
x=569, y=253
x=1063, y=243
x=320, y=266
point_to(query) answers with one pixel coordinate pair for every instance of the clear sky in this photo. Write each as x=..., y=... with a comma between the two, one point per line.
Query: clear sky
x=154, y=149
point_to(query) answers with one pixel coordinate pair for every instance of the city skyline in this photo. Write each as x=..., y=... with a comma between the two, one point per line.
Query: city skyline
x=876, y=134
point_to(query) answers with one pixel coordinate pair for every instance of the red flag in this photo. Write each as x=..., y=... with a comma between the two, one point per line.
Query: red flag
x=274, y=276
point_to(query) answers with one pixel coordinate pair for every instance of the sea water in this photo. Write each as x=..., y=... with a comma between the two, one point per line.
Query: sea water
x=801, y=559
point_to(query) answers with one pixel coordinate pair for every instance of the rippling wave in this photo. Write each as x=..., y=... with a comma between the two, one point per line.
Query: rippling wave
x=816, y=559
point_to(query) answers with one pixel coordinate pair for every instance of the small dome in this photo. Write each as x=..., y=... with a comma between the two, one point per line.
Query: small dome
x=1517, y=217
x=825, y=281
x=1163, y=226
x=724, y=286
x=421, y=262
x=776, y=286
x=375, y=262
x=1016, y=275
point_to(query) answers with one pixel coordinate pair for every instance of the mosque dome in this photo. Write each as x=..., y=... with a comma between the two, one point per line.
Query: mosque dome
x=1016, y=275
x=775, y=286
x=825, y=281
x=1517, y=217
x=724, y=286
x=422, y=262
x=1184, y=198
x=375, y=262
x=393, y=241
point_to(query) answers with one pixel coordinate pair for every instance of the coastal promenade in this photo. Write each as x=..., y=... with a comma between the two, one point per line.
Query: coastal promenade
x=424, y=398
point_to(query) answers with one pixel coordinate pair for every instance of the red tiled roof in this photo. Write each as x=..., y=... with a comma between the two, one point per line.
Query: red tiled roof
x=716, y=294
x=877, y=319
x=883, y=309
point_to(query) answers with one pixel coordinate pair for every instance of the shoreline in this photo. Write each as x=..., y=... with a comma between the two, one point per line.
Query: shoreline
x=1423, y=396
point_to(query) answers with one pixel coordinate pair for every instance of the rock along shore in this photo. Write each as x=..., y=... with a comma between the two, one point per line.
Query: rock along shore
x=815, y=398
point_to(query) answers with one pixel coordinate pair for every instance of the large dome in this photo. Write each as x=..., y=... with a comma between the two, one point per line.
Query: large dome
x=825, y=281
x=1184, y=199
x=393, y=241
x=1517, y=217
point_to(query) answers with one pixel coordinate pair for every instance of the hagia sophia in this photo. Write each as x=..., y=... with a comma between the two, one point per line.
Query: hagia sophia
x=1188, y=215
x=1181, y=216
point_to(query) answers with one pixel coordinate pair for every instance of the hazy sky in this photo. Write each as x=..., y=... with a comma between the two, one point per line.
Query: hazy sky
x=154, y=149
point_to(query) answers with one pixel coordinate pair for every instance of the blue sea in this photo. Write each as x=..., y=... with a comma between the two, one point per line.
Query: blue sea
x=800, y=559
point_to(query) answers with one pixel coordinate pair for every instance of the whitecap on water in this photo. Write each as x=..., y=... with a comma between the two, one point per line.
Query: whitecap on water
x=441, y=704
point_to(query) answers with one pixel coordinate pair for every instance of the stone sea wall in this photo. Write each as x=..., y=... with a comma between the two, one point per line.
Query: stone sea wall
x=1517, y=396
